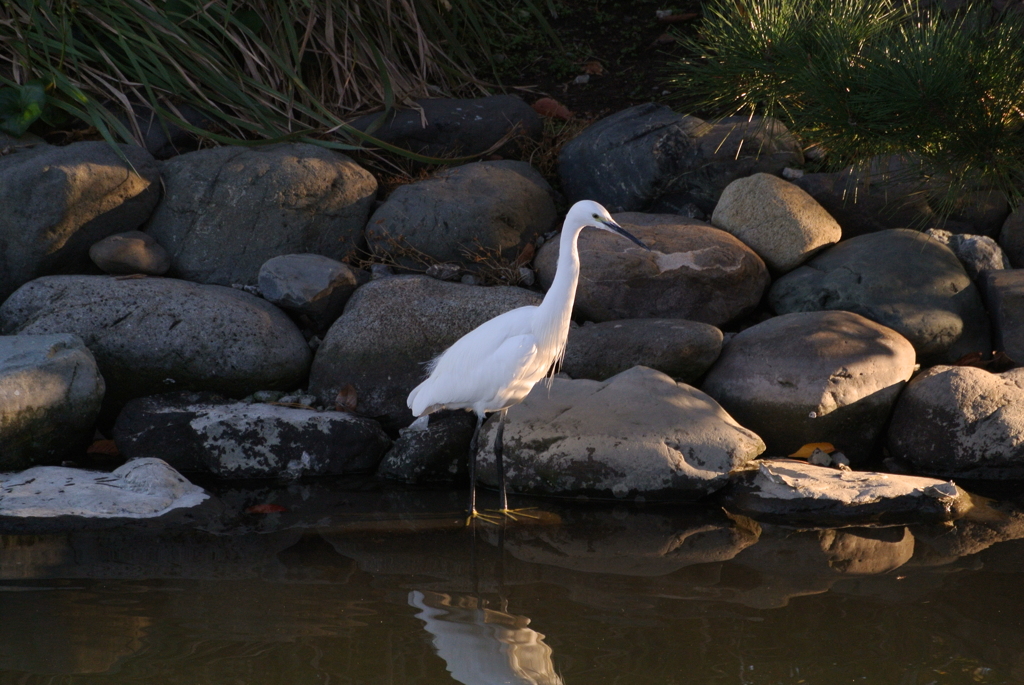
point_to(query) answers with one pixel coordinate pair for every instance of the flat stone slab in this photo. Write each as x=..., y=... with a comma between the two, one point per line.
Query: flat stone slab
x=142, y=488
x=795, y=492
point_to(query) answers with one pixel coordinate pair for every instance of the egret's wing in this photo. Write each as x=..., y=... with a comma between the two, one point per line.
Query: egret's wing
x=481, y=366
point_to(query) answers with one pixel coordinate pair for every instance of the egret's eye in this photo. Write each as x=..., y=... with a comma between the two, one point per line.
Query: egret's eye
x=596, y=216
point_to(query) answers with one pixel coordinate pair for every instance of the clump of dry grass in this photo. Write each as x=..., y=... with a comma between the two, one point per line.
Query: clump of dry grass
x=261, y=70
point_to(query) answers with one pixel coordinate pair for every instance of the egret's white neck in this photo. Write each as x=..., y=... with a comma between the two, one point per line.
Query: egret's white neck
x=552, y=322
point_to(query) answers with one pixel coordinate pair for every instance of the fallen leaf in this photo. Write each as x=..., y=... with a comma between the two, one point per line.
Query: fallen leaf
x=526, y=256
x=999, y=362
x=105, y=447
x=970, y=359
x=808, y=449
x=551, y=108
x=665, y=39
x=593, y=67
x=346, y=399
x=265, y=509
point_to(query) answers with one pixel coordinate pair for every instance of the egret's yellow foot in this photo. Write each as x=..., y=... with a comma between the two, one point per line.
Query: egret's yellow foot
x=485, y=517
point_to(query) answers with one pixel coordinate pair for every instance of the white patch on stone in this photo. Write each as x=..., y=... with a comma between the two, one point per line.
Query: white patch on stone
x=678, y=260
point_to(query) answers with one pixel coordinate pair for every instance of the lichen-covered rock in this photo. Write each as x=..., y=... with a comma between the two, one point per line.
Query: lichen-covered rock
x=961, y=421
x=776, y=219
x=227, y=210
x=481, y=210
x=389, y=331
x=813, y=377
x=676, y=347
x=234, y=440
x=50, y=394
x=693, y=271
x=901, y=279
x=131, y=252
x=156, y=334
x=628, y=160
x=798, y=493
x=438, y=454
x=60, y=200
x=637, y=435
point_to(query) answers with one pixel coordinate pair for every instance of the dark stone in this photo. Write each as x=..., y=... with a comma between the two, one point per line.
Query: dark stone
x=227, y=210
x=151, y=335
x=1004, y=298
x=59, y=201
x=438, y=454
x=628, y=160
x=676, y=347
x=693, y=271
x=901, y=279
x=454, y=127
x=472, y=215
x=813, y=377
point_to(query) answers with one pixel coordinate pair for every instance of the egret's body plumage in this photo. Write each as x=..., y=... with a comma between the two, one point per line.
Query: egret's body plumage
x=495, y=365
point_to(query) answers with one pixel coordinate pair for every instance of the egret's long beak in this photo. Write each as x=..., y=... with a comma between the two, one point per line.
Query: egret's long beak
x=615, y=228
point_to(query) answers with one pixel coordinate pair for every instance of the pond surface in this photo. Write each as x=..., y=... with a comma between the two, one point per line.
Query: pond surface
x=349, y=583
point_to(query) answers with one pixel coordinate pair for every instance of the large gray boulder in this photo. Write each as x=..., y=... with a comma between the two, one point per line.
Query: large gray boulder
x=676, y=347
x=156, y=334
x=389, y=331
x=776, y=219
x=489, y=210
x=961, y=421
x=897, y=192
x=638, y=435
x=446, y=127
x=227, y=210
x=901, y=279
x=693, y=271
x=61, y=200
x=50, y=394
x=628, y=160
x=813, y=377
x=1004, y=297
x=797, y=493
x=235, y=440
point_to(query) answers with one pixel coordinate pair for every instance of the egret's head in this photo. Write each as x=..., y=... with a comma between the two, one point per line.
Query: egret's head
x=591, y=213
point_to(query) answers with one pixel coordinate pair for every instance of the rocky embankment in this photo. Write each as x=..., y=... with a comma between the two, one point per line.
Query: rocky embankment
x=217, y=310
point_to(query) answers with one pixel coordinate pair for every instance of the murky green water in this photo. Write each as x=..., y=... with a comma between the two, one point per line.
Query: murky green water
x=327, y=592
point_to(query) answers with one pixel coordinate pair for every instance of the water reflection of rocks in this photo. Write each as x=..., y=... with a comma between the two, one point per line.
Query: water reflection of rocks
x=107, y=601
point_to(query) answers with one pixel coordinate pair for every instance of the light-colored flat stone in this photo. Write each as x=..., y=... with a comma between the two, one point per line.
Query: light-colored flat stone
x=142, y=488
x=797, y=492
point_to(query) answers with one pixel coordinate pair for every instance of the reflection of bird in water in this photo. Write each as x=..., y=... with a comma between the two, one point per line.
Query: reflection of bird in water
x=483, y=646
x=495, y=365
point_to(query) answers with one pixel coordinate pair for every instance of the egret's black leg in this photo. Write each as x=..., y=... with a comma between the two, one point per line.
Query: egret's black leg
x=472, y=466
x=499, y=463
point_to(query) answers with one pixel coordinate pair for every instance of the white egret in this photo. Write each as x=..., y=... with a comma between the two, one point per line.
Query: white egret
x=495, y=365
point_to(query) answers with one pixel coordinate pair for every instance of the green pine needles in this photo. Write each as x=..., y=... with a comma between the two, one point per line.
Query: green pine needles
x=865, y=78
